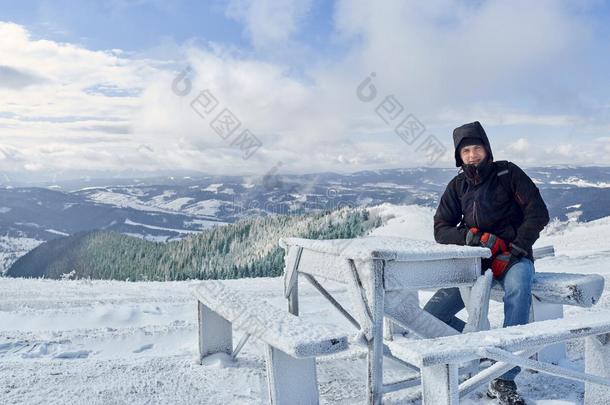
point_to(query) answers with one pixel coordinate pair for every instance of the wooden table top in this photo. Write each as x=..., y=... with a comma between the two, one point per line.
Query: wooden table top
x=387, y=248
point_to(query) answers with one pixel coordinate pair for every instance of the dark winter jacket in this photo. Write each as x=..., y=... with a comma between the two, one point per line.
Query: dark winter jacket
x=509, y=207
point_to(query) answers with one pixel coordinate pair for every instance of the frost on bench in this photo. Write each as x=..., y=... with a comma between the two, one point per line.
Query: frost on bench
x=440, y=358
x=597, y=361
x=278, y=328
x=291, y=343
x=553, y=290
x=582, y=290
x=464, y=347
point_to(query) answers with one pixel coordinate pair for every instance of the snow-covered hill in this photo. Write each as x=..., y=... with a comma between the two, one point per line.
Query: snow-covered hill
x=100, y=342
x=12, y=249
x=169, y=208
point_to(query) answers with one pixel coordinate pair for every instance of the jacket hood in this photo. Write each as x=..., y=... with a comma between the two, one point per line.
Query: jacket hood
x=471, y=130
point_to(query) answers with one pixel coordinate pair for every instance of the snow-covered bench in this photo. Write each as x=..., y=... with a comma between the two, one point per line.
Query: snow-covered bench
x=582, y=290
x=439, y=358
x=292, y=344
x=550, y=292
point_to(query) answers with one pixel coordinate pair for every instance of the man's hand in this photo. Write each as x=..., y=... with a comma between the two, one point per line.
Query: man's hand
x=475, y=237
x=501, y=263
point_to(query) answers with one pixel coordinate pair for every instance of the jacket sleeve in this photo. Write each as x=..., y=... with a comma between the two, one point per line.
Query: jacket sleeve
x=448, y=215
x=535, y=212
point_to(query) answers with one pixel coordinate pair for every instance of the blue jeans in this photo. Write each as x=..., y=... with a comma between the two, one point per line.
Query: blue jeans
x=517, y=285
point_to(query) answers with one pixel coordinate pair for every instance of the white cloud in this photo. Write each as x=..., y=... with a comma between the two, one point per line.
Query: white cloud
x=269, y=22
x=53, y=121
x=494, y=114
x=446, y=62
x=539, y=154
x=521, y=146
x=443, y=53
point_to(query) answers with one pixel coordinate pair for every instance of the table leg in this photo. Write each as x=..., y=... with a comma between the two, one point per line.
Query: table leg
x=440, y=384
x=293, y=299
x=291, y=278
x=373, y=283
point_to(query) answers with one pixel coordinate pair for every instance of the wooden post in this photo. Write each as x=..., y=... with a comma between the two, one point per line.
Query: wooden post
x=477, y=303
x=597, y=362
x=440, y=384
x=291, y=278
x=291, y=381
x=215, y=334
x=371, y=276
x=293, y=298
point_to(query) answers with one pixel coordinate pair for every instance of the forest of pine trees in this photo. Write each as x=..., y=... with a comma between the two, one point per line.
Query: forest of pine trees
x=248, y=248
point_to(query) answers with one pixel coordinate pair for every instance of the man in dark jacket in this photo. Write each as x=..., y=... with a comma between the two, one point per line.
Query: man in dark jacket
x=496, y=205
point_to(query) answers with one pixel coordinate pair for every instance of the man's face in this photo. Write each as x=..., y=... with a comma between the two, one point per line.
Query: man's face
x=473, y=154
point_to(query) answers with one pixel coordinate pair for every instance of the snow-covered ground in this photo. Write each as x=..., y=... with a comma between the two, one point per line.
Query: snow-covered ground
x=12, y=248
x=575, y=181
x=165, y=202
x=111, y=342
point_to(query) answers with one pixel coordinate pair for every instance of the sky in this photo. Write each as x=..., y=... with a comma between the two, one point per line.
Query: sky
x=117, y=87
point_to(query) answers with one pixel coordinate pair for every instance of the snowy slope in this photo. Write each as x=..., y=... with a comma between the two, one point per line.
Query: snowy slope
x=100, y=342
x=12, y=248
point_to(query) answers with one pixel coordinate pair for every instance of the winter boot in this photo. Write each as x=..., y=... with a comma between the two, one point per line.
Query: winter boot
x=505, y=391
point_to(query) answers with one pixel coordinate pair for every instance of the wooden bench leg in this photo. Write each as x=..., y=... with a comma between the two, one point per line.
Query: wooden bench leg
x=597, y=362
x=440, y=384
x=542, y=311
x=293, y=300
x=372, y=274
x=291, y=381
x=215, y=334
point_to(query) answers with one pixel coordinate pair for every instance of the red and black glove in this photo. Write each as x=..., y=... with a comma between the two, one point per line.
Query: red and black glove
x=501, y=263
x=475, y=237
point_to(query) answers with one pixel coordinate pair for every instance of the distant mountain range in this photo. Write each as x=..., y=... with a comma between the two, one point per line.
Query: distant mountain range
x=169, y=208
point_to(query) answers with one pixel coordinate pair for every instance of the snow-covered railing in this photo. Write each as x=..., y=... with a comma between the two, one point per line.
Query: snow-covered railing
x=292, y=344
x=439, y=358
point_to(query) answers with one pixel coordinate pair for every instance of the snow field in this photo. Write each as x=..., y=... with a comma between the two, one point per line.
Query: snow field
x=111, y=342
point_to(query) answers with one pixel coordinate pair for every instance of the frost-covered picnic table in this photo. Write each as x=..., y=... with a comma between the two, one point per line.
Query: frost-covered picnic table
x=382, y=276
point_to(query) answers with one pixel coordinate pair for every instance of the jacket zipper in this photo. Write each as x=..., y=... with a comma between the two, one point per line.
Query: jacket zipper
x=476, y=223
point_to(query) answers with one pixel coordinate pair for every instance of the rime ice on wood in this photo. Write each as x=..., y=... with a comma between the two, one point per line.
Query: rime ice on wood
x=463, y=347
x=260, y=319
x=597, y=362
x=388, y=248
x=382, y=274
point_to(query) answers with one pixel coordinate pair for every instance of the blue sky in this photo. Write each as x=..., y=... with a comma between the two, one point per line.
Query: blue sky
x=87, y=86
x=142, y=26
x=131, y=26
